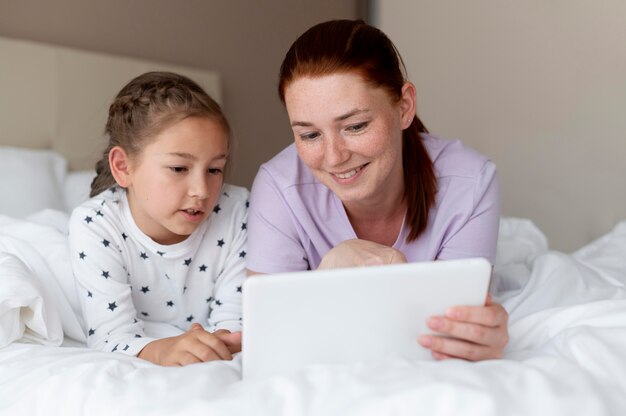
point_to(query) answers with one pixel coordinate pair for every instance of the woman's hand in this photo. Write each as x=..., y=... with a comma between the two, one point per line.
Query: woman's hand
x=480, y=332
x=194, y=346
x=356, y=252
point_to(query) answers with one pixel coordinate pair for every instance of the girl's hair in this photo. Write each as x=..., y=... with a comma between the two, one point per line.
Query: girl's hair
x=146, y=106
x=354, y=46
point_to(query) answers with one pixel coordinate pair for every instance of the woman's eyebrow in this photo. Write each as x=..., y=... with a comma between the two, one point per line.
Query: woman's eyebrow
x=339, y=118
x=351, y=114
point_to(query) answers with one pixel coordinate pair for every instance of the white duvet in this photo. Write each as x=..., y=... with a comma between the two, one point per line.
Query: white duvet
x=567, y=354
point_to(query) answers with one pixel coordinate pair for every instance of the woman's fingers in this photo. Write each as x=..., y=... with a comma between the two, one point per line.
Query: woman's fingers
x=469, y=332
x=443, y=348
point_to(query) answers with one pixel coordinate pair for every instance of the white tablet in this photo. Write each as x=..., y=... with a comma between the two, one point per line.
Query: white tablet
x=291, y=320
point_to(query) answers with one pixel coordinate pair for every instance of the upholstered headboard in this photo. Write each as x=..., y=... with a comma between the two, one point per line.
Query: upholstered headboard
x=57, y=98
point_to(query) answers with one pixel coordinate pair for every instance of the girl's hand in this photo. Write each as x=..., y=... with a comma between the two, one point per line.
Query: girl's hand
x=232, y=340
x=480, y=332
x=194, y=346
x=356, y=252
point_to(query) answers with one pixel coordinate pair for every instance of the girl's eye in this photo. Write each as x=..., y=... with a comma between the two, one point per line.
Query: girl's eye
x=178, y=169
x=309, y=136
x=357, y=127
x=215, y=171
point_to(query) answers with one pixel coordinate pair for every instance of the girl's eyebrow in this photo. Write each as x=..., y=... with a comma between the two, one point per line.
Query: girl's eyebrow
x=193, y=157
x=339, y=118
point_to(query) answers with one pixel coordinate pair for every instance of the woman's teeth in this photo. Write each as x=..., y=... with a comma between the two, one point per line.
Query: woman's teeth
x=349, y=174
x=192, y=211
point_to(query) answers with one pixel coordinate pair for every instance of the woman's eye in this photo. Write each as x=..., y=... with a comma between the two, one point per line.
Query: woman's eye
x=309, y=136
x=357, y=127
x=178, y=169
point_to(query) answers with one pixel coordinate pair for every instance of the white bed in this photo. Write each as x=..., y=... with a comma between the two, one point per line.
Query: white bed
x=567, y=311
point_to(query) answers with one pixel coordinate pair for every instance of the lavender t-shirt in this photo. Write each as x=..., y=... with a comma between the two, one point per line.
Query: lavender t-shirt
x=294, y=219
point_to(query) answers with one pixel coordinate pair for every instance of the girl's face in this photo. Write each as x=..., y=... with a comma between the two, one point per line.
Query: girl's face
x=176, y=180
x=349, y=134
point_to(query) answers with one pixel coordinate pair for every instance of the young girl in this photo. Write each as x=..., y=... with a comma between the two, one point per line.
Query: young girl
x=163, y=238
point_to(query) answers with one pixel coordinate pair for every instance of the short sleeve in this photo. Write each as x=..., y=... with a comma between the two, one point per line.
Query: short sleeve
x=273, y=239
x=478, y=236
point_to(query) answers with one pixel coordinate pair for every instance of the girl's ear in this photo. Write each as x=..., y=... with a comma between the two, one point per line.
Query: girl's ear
x=120, y=166
x=408, y=104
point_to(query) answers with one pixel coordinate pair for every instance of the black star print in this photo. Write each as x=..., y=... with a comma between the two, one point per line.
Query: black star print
x=226, y=195
x=124, y=236
x=202, y=268
x=167, y=275
x=220, y=242
x=143, y=255
x=89, y=294
x=247, y=204
x=105, y=274
x=170, y=303
x=160, y=253
x=217, y=208
x=184, y=289
x=88, y=219
x=112, y=306
x=137, y=336
x=105, y=242
x=218, y=302
x=91, y=331
x=188, y=261
x=135, y=320
x=115, y=348
x=209, y=299
x=242, y=254
x=99, y=213
x=145, y=314
x=145, y=289
x=238, y=289
x=190, y=318
x=126, y=347
x=82, y=255
x=113, y=189
x=244, y=226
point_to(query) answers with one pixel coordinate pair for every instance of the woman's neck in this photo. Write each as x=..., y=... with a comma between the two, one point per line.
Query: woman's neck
x=378, y=221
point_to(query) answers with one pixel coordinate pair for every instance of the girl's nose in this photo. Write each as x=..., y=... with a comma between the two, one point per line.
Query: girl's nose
x=199, y=188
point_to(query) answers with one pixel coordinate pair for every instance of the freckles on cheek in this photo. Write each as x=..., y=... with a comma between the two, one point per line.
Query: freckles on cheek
x=310, y=157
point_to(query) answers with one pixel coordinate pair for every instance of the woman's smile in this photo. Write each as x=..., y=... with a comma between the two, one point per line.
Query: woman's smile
x=346, y=176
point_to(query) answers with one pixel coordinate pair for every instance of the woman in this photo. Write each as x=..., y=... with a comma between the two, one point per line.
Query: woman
x=364, y=183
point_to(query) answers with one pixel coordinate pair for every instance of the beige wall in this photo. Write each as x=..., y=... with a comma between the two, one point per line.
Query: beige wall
x=244, y=41
x=540, y=87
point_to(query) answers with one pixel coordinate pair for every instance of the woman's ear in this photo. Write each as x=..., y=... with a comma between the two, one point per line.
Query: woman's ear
x=408, y=104
x=120, y=166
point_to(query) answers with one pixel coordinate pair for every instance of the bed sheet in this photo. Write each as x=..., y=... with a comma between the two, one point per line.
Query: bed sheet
x=566, y=353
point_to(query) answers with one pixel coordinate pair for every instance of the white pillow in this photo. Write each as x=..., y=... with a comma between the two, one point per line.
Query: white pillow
x=77, y=188
x=30, y=180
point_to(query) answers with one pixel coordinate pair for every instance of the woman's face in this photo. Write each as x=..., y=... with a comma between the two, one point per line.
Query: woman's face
x=349, y=134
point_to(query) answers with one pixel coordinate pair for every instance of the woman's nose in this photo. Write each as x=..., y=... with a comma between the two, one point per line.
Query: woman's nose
x=335, y=151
